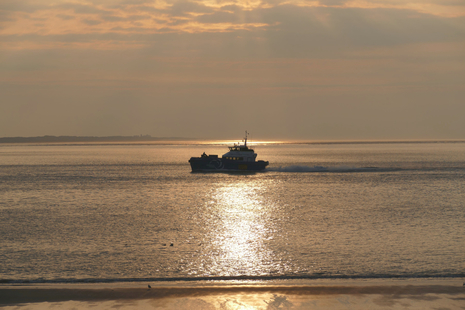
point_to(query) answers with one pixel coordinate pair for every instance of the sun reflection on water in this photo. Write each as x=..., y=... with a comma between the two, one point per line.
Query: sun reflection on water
x=239, y=227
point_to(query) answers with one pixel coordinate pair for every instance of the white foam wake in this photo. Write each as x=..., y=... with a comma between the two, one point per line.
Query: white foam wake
x=298, y=168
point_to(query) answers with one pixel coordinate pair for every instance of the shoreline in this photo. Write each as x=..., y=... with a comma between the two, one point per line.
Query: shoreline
x=417, y=293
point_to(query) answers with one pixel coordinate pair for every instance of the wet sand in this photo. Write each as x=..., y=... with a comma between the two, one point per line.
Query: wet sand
x=409, y=294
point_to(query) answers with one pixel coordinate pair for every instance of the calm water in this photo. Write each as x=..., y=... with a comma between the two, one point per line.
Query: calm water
x=111, y=212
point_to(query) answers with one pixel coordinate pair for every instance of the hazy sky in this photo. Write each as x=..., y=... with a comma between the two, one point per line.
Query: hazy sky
x=333, y=69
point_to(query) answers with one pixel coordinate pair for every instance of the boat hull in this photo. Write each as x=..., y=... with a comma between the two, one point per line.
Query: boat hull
x=213, y=163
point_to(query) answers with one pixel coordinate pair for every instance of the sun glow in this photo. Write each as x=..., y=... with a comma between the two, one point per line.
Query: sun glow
x=249, y=142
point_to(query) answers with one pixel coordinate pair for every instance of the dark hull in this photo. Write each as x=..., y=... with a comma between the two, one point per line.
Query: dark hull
x=213, y=163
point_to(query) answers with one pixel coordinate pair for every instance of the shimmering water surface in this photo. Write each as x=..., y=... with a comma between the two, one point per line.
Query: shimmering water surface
x=111, y=212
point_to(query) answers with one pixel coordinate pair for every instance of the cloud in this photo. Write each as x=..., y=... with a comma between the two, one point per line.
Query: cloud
x=113, y=18
x=299, y=61
x=219, y=17
x=6, y=17
x=65, y=16
x=181, y=8
x=303, y=31
x=91, y=22
x=27, y=6
x=333, y=2
x=189, y=16
x=283, y=31
x=433, y=7
x=80, y=8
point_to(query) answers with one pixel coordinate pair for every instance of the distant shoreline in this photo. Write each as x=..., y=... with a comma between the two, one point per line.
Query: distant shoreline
x=89, y=139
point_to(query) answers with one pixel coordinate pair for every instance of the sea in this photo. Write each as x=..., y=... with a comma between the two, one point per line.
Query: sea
x=134, y=212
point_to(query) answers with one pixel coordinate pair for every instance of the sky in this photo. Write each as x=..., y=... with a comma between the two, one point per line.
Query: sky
x=210, y=69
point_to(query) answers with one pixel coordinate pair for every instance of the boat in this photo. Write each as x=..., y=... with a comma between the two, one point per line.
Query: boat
x=239, y=158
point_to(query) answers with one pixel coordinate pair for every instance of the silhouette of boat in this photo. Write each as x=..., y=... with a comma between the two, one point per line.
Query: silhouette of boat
x=239, y=158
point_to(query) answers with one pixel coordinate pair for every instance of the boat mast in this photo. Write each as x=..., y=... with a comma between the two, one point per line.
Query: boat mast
x=245, y=140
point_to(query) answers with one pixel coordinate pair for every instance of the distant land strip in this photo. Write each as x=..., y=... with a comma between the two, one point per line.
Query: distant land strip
x=77, y=139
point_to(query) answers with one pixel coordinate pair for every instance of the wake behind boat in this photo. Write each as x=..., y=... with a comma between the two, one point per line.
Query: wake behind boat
x=239, y=158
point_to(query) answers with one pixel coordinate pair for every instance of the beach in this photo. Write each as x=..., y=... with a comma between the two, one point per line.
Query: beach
x=339, y=294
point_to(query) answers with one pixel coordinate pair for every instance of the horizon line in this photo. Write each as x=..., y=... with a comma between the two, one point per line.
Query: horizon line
x=149, y=138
